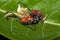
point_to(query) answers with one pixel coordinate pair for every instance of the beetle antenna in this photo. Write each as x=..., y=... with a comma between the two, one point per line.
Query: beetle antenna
x=45, y=17
x=24, y=5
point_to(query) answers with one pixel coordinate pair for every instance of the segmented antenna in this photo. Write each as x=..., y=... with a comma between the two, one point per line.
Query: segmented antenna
x=24, y=5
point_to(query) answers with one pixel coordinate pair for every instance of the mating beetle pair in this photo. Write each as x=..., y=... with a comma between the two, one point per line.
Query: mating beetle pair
x=25, y=17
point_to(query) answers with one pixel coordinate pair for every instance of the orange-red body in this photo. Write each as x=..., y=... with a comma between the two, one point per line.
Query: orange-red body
x=26, y=20
x=34, y=17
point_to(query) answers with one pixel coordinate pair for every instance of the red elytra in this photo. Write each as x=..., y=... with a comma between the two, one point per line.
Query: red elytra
x=35, y=12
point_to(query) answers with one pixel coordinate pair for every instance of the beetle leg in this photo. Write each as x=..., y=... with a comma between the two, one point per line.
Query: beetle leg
x=45, y=18
x=12, y=15
x=8, y=15
x=42, y=20
x=31, y=27
x=18, y=20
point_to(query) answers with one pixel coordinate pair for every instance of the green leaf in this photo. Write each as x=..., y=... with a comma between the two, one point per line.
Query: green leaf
x=16, y=31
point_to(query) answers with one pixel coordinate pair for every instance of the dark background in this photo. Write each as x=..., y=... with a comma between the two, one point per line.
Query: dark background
x=3, y=38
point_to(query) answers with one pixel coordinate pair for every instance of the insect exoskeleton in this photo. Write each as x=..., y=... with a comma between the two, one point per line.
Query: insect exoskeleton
x=36, y=14
x=27, y=20
x=24, y=17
